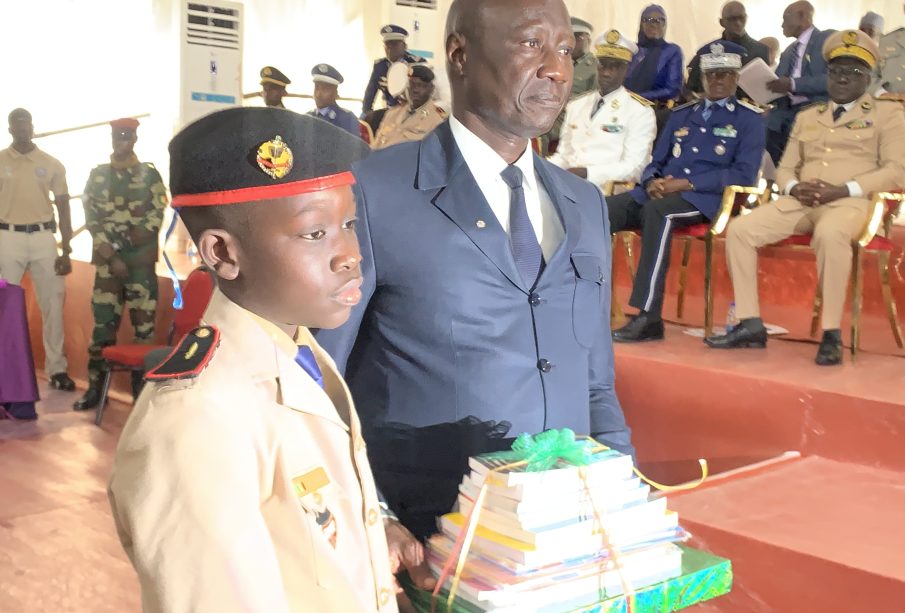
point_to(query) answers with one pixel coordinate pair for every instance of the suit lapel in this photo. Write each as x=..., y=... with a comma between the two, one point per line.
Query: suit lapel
x=810, y=50
x=441, y=166
x=563, y=199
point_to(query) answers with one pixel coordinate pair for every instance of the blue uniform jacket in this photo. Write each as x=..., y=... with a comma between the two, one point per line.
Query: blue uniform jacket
x=341, y=118
x=447, y=328
x=726, y=150
x=378, y=80
x=670, y=68
x=811, y=83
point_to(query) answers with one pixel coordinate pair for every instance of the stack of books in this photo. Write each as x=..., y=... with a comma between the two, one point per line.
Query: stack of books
x=552, y=540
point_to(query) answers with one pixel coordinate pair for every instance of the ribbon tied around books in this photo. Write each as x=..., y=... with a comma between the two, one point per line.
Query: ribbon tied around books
x=542, y=452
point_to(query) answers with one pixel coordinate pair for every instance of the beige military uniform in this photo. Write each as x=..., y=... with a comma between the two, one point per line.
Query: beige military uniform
x=26, y=182
x=614, y=144
x=865, y=149
x=399, y=124
x=248, y=487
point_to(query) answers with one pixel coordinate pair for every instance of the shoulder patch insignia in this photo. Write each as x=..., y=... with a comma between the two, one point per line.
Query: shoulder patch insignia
x=190, y=357
x=644, y=100
x=751, y=106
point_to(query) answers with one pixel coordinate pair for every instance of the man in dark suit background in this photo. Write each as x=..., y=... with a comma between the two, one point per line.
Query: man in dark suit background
x=801, y=74
x=485, y=309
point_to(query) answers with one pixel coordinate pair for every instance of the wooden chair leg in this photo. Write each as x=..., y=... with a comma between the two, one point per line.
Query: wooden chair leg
x=683, y=278
x=888, y=299
x=708, y=286
x=857, y=281
x=628, y=239
x=616, y=313
x=815, y=311
x=99, y=412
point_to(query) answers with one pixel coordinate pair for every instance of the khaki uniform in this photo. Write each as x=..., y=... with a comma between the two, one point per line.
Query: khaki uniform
x=400, y=124
x=866, y=146
x=614, y=144
x=26, y=182
x=248, y=487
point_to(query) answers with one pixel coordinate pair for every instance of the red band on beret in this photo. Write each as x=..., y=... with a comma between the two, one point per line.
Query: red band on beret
x=264, y=192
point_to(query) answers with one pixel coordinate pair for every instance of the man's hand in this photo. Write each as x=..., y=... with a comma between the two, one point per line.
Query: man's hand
x=407, y=554
x=815, y=193
x=118, y=268
x=655, y=187
x=62, y=266
x=782, y=85
x=140, y=236
x=579, y=172
x=671, y=186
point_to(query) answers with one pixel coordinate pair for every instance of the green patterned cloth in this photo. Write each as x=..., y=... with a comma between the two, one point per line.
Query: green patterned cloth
x=704, y=576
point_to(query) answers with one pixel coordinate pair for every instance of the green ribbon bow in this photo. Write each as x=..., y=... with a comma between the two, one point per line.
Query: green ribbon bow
x=542, y=451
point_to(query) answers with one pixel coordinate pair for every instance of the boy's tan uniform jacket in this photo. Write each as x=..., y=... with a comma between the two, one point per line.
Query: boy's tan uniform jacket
x=248, y=488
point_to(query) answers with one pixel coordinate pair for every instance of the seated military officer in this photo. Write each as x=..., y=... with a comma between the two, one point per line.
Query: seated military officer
x=705, y=146
x=273, y=86
x=608, y=134
x=241, y=480
x=415, y=118
x=839, y=152
x=326, y=89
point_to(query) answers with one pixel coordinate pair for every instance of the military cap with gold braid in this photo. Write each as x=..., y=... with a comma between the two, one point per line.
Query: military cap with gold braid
x=614, y=45
x=249, y=154
x=852, y=43
x=269, y=74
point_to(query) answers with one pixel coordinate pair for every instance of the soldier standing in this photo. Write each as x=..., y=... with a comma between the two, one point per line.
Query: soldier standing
x=415, y=119
x=396, y=50
x=124, y=203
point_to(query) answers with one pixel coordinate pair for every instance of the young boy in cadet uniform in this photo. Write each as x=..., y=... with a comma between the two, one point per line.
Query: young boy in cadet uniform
x=241, y=481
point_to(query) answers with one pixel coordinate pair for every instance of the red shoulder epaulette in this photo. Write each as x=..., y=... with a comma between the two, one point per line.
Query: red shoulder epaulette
x=190, y=357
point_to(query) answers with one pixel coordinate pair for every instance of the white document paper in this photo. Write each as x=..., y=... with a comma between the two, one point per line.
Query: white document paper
x=753, y=78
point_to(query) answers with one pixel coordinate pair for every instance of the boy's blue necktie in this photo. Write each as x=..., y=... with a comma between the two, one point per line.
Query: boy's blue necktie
x=305, y=359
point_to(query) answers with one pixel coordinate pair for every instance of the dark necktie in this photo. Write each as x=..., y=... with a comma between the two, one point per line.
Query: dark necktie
x=597, y=107
x=305, y=359
x=528, y=255
x=837, y=113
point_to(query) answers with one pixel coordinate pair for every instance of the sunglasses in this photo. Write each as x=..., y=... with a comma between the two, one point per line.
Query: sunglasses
x=654, y=20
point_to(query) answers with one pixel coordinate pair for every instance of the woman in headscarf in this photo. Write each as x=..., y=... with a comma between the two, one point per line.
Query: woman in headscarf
x=656, y=70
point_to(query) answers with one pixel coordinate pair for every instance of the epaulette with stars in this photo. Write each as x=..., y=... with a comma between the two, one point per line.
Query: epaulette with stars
x=750, y=106
x=190, y=357
x=641, y=99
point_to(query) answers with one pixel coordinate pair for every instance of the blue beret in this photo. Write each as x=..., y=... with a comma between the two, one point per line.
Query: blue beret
x=325, y=73
x=393, y=32
x=252, y=153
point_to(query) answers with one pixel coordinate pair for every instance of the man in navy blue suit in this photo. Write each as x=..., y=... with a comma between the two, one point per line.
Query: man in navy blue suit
x=801, y=74
x=485, y=308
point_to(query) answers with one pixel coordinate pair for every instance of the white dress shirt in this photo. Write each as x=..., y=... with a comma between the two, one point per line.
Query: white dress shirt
x=486, y=165
x=854, y=188
x=614, y=144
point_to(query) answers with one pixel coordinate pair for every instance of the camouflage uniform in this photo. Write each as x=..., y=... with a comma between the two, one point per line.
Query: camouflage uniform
x=117, y=200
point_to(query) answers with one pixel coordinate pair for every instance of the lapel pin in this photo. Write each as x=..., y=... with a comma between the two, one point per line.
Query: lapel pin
x=480, y=224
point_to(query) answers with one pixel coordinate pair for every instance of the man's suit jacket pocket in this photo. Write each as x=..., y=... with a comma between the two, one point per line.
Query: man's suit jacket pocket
x=586, y=309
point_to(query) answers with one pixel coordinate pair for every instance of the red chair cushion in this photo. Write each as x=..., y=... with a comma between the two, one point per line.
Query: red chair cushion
x=129, y=355
x=880, y=243
x=696, y=231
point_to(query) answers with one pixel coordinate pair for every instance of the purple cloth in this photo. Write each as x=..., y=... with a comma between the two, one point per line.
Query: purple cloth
x=17, y=370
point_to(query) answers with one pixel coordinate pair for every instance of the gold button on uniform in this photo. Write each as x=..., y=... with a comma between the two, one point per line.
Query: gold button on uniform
x=384, y=598
x=372, y=516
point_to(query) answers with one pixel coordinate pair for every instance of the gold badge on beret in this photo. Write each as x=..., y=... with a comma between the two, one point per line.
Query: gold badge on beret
x=275, y=158
x=612, y=37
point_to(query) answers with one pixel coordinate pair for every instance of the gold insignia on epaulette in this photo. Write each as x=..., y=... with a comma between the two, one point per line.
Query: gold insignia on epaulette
x=641, y=99
x=866, y=106
x=822, y=107
x=275, y=158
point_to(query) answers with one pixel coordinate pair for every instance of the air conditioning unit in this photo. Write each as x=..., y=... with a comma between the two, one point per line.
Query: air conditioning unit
x=210, y=58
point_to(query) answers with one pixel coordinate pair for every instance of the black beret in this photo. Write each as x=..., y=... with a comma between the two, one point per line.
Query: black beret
x=421, y=71
x=253, y=153
x=269, y=74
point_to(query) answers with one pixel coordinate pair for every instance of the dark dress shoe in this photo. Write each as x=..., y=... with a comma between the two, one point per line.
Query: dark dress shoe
x=89, y=401
x=830, y=351
x=737, y=338
x=640, y=328
x=61, y=381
